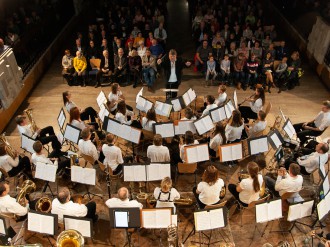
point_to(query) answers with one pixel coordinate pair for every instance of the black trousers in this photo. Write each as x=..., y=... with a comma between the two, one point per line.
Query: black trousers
x=172, y=85
x=47, y=135
x=91, y=211
x=247, y=113
x=23, y=165
x=88, y=113
x=302, y=133
x=235, y=193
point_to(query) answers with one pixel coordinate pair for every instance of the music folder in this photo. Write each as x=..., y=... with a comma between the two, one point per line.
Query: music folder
x=45, y=223
x=231, y=152
x=189, y=96
x=46, y=172
x=164, y=129
x=289, y=129
x=267, y=211
x=140, y=93
x=229, y=107
x=143, y=104
x=300, y=210
x=196, y=153
x=72, y=133
x=156, y=218
x=139, y=172
x=218, y=114
x=125, y=217
x=258, y=145
x=275, y=139
x=323, y=207
x=181, y=126
x=81, y=224
x=204, y=124
x=177, y=103
x=163, y=109
x=101, y=99
x=123, y=131
x=103, y=113
x=210, y=219
x=83, y=175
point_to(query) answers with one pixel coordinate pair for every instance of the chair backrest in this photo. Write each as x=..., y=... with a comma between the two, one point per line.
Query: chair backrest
x=187, y=168
x=252, y=204
x=147, y=135
x=287, y=195
x=95, y=63
x=268, y=107
x=88, y=158
x=219, y=205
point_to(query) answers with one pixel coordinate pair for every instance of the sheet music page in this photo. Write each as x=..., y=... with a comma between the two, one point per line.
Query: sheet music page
x=149, y=219
x=157, y=172
x=27, y=144
x=114, y=127
x=61, y=119
x=46, y=172
x=121, y=219
x=163, y=218
x=103, y=112
x=101, y=99
x=216, y=218
x=262, y=212
x=135, y=135
x=162, y=108
x=191, y=154
x=186, y=99
x=72, y=134
x=322, y=209
x=165, y=129
x=192, y=94
x=148, y=105
x=275, y=210
x=208, y=123
x=167, y=109
x=202, y=221
x=41, y=223
x=140, y=104
x=276, y=140
x=128, y=173
x=138, y=95
x=259, y=145
x=236, y=151
x=2, y=227
x=229, y=108
x=124, y=131
x=202, y=152
x=165, y=170
x=326, y=185
x=289, y=129
x=235, y=100
x=184, y=126
x=83, y=226
x=140, y=173
x=83, y=175
x=226, y=153
x=218, y=115
x=176, y=104
x=306, y=209
x=199, y=125
x=294, y=212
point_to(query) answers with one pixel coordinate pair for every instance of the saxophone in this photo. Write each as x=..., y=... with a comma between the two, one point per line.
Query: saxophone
x=28, y=187
x=9, y=149
x=29, y=114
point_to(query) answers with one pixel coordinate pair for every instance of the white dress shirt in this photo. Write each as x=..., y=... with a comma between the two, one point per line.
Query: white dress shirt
x=256, y=106
x=41, y=158
x=79, y=124
x=215, y=142
x=123, y=118
x=69, y=105
x=221, y=99
x=248, y=195
x=173, y=77
x=147, y=125
x=88, y=148
x=257, y=127
x=117, y=203
x=114, y=97
x=7, y=162
x=209, y=108
x=210, y=194
x=113, y=156
x=158, y=153
x=288, y=184
x=233, y=133
x=26, y=130
x=8, y=205
x=313, y=161
x=69, y=208
x=322, y=120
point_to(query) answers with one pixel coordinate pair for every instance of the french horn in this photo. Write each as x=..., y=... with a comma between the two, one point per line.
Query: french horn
x=28, y=187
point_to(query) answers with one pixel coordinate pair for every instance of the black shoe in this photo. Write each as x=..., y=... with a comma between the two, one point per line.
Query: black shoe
x=97, y=85
x=269, y=90
x=134, y=86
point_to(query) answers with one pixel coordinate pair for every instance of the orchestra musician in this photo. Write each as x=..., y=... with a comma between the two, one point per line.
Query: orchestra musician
x=166, y=194
x=45, y=135
x=286, y=182
x=234, y=127
x=257, y=126
x=316, y=126
x=114, y=97
x=256, y=104
x=87, y=147
x=87, y=114
x=222, y=95
x=218, y=138
x=123, y=200
x=209, y=100
x=150, y=119
x=188, y=140
x=208, y=191
x=112, y=155
x=39, y=157
x=248, y=189
x=75, y=120
x=157, y=152
x=189, y=114
x=63, y=205
x=126, y=116
x=14, y=166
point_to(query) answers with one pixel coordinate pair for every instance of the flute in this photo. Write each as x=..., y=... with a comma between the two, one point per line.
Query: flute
x=247, y=99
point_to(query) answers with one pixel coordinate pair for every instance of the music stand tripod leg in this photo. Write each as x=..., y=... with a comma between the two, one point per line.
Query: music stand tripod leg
x=192, y=232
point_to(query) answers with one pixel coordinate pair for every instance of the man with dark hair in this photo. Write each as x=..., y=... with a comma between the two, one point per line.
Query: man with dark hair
x=286, y=182
x=86, y=146
x=123, y=200
x=202, y=54
x=62, y=205
x=209, y=105
x=316, y=126
x=157, y=152
x=8, y=205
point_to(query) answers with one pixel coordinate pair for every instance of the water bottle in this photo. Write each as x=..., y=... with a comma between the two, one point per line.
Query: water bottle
x=321, y=195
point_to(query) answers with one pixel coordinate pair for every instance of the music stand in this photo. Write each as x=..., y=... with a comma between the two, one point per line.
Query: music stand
x=61, y=120
x=170, y=93
x=27, y=143
x=72, y=134
x=6, y=233
x=43, y=223
x=80, y=224
x=124, y=218
x=47, y=173
x=208, y=219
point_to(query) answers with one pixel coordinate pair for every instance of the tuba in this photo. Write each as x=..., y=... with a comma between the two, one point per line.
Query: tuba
x=9, y=149
x=44, y=205
x=29, y=114
x=28, y=187
x=70, y=238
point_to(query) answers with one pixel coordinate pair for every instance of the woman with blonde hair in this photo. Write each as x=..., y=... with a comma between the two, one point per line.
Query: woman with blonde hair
x=248, y=189
x=208, y=191
x=165, y=194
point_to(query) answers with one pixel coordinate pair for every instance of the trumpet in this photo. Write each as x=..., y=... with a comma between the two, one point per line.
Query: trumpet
x=29, y=114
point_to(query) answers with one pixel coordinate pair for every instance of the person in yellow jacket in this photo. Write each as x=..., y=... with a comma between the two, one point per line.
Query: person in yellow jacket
x=80, y=66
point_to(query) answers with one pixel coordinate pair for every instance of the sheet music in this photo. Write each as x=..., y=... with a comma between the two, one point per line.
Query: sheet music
x=197, y=153
x=101, y=99
x=124, y=131
x=27, y=143
x=259, y=145
x=176, y=104
x=46, y=172
x=326, y=185
x=61, y=119
x=72, y=134
x=289, y=130
x=231, y=152
x=322, y=169
x=184, y=126
x=2, y=227
x=143, y=104
x=235, y=100
x=135, y=135
x=140, y=93
x=218, y=114
x=268, y=211
x=83, y=175
x=135, y=173
x=207, y=220
x=156, y=218
x=165, y=129
x=229, y=109
x=103, y=112
x=121, y=219
x=81, y=225
x=157, y=172
x=275, y=140
x=204, y=124
x=301, y=210
x=322, y=209
x=113, y=127
x=41, y=223
x=189, y=96
x=163, y=109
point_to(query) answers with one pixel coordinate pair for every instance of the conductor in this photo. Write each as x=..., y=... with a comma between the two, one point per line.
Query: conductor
x=173, y=66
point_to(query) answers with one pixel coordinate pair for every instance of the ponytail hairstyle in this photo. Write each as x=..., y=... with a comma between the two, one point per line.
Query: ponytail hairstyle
x=65, y=97
x=236, y=119
x=261, y=95
x=220, y=129
x=253, y=170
